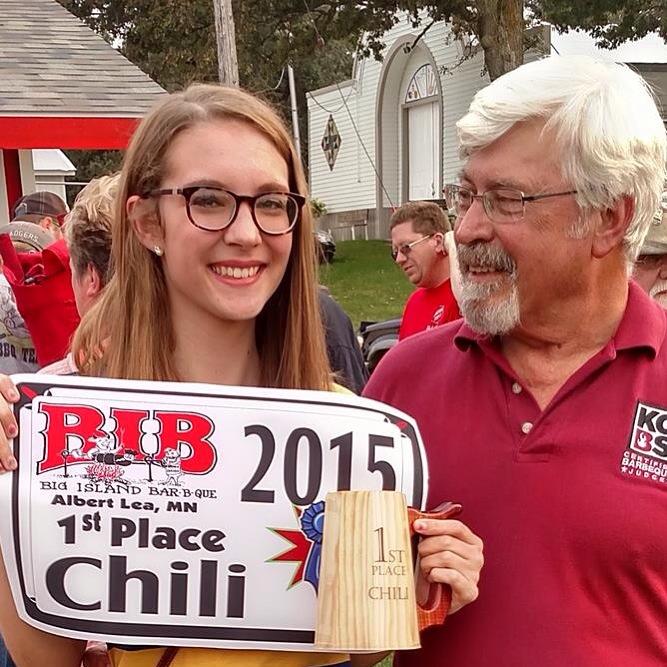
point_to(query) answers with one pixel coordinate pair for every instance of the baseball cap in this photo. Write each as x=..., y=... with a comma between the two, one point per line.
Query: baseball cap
x=29, y=234
x=35, y=206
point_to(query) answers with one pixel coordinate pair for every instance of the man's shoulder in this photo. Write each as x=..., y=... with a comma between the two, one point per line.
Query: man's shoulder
x=445, y=286
x=425, y=296
x=415, y=296
x=412, y=313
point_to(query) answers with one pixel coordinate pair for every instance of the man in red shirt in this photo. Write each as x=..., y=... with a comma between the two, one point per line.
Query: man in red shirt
x=544, y=412
x=418, y=246
x=37, y=268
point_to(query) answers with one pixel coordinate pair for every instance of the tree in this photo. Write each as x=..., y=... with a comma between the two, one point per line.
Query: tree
x=611, y=22
x=498, y=26
x=225, y=31
x=174, y=41
x=91, y=164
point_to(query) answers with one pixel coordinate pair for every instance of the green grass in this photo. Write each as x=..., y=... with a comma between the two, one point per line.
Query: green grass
x=369, y=286
x=365, y=281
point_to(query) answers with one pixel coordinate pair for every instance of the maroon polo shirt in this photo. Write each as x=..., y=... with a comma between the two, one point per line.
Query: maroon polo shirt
x=571, y=502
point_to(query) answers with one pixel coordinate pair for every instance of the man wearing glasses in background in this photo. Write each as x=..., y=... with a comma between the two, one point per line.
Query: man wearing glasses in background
x=650, y=270
x=418, y=246
x=544, y=412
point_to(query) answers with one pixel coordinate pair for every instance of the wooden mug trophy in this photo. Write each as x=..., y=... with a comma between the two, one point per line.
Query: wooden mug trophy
x=366, y=599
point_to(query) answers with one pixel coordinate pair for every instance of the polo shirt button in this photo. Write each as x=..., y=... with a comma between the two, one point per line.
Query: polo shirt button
x=517, y=388
x=527, y=427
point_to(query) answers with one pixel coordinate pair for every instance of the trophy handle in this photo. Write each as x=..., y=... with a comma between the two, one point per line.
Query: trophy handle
x=439, y=598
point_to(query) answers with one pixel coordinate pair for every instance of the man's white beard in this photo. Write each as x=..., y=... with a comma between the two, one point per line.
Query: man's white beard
x=659, y=292
x=480, y=305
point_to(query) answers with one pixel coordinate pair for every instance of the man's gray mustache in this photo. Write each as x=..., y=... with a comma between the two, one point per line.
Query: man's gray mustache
x=484, y=255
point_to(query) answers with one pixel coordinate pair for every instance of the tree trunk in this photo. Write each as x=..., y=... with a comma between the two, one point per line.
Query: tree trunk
x=500, y=31
x=225, y=33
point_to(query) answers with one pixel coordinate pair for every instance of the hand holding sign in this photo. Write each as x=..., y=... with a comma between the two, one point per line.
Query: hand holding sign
x=96, y=655
x=185, y=514
x=8, y=426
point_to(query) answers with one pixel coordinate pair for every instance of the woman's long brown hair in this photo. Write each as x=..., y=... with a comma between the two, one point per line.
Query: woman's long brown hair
x=128, y=333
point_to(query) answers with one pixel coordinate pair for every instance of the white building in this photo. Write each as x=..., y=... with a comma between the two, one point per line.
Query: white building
x=388, y=135
x=50, y=167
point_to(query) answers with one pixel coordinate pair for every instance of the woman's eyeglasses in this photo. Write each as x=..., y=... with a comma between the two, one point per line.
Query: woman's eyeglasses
x=406, y=248
x=214, y=209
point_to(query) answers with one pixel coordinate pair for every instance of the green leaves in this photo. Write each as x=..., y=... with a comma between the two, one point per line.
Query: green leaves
x=174, y=41
x=612, y=22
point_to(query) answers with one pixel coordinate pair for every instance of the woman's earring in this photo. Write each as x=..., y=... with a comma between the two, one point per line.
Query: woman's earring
x=158, y=251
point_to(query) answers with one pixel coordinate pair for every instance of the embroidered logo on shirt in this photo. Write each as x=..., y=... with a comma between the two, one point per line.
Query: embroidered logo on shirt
x=646, y=453
x=438, y=316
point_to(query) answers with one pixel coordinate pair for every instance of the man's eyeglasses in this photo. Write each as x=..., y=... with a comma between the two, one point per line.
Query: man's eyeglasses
x=662, y=211
x=650, y=262
x=406, y=248
x=501, y=205
x=213, y=209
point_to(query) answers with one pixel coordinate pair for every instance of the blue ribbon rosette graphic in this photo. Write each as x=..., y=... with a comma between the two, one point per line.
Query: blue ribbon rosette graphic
x=312, y=525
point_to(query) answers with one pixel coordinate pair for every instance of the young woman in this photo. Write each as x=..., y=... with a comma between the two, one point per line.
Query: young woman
x=213, y=280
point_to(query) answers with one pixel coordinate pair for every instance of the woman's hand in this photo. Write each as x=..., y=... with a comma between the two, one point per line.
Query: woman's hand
x=450, y=553
x=8, y=427
x=96, y=655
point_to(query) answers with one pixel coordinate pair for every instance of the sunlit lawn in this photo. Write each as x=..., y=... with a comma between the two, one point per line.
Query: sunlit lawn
x=365, y=281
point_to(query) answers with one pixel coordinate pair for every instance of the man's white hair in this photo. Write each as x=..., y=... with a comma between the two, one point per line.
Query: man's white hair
x=605, y=121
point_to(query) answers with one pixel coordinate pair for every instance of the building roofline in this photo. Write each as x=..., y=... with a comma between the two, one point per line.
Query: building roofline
x=333, y=87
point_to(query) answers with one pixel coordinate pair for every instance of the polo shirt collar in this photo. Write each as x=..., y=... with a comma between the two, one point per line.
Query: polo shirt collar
x=643, y=326
x=466, y=337
x=644, y=323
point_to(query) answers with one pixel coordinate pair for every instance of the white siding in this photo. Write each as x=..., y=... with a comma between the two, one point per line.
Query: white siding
x=352, y=183
x=346, y=187
x=459, y=89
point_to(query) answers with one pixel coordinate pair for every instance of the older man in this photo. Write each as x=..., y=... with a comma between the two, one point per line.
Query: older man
x=88, y=237
x=545, y=411
x=651, y=266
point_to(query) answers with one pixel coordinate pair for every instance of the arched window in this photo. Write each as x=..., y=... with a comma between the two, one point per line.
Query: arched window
x=423, y=84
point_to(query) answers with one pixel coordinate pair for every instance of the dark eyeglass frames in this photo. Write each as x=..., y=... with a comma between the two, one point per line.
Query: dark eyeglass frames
x=406, y=248
x=650, y=262
x=502, y=205
x=214, y=209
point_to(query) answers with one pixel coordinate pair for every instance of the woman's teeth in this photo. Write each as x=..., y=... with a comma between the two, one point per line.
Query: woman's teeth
x=235, y=271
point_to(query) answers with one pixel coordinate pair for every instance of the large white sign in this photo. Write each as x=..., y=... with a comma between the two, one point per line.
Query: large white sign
x=183, y=514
